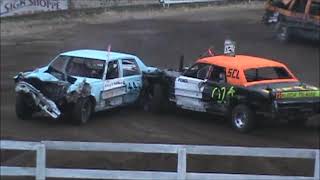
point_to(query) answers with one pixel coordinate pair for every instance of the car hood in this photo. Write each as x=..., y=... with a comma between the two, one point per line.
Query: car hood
x=42, y=75
x=39, y=73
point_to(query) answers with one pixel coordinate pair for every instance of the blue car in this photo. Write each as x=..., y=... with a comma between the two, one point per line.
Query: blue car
x=77, y=83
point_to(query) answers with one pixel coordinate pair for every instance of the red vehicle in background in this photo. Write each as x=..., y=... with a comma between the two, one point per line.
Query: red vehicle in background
x=292, y=18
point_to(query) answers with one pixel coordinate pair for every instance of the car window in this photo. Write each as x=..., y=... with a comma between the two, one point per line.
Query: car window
x=315, y=9
x=199, y=71
x=267, y=73
x=130, y=67
x=218, y=74
x=83, y=67
x=59, y=63
x=113, y=70
x=299, y=6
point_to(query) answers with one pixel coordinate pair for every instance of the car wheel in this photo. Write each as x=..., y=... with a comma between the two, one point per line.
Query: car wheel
x=23, y=109
x=282, y=33
x=154, y=99
x=82, y=111
x=242, y=118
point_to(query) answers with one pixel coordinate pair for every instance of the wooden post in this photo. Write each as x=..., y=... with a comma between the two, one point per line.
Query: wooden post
x=317, y=165
x=181, y=63
x=41, y=163
x=182, y=164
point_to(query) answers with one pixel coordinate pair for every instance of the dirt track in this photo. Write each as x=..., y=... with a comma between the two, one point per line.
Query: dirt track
x=159, y=38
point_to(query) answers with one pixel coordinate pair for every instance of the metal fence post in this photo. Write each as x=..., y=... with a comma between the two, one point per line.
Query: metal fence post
x=317, y=165
x=182, y=164
x=41, y=163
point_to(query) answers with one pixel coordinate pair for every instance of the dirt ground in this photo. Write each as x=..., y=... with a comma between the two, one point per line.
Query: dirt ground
x=159, y=38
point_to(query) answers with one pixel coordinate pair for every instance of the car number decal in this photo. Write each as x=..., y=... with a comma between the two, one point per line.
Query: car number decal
x=221, y=93
x=233, y=73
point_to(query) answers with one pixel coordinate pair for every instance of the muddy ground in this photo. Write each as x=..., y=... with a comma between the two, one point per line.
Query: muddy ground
x=159, y=38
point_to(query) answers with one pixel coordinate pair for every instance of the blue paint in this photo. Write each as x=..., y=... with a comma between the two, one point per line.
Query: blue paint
x=131, y=84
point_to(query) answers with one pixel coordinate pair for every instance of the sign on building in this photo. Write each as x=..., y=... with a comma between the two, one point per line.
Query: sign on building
x=19, y=7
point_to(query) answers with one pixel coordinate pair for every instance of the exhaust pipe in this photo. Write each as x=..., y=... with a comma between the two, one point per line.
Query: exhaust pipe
x=181, y=63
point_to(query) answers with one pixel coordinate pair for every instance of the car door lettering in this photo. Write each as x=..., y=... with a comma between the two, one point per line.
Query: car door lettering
x=114, y=83
x=183, y=80
x=233, y=73
x=221, y=93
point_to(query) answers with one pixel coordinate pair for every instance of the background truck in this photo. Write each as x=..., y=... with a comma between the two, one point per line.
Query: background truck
x=292, y=18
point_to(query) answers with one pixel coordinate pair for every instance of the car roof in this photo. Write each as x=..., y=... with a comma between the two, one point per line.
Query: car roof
x=240, y=61
x=97, y=54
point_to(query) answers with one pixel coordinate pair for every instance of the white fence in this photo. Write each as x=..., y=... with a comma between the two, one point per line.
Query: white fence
x=168, y=2
x=41, y=172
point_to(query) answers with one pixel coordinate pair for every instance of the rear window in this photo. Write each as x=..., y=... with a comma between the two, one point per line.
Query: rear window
x=266, y=73
x=130, y=67
x=315, y=9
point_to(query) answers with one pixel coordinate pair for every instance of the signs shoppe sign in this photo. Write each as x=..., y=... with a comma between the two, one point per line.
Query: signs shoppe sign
x=18, y=7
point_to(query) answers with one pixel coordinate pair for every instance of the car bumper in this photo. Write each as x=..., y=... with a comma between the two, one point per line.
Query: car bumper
x=295, y=109
x=45, y=104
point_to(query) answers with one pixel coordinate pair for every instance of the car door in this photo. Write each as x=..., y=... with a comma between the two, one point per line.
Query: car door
x=114, y=88
x=217, y=91
x=189, y=87
x=132, y=77
x=86, y=70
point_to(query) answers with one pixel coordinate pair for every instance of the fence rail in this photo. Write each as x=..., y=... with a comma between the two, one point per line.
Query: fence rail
x=41, y=172
x=169, y=2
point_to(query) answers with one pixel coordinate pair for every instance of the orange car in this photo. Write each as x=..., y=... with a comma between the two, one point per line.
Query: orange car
x=238, y=87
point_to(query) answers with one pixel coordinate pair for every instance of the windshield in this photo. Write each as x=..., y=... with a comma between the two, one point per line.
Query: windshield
x=266, y=73
x=83, y=67
x=59, y=63
x=199, y=71
x=56, y=68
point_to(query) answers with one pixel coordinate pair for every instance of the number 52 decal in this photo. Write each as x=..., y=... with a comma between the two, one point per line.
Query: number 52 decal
x=233, y=73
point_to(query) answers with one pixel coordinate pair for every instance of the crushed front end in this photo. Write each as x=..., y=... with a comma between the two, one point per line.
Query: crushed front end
x=39, y=100
x=39, y=95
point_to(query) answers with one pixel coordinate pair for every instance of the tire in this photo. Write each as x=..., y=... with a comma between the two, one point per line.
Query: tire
x=282, y=33
x=23, y=109
x=242, y=118
x=82, y=111
x=154, y=100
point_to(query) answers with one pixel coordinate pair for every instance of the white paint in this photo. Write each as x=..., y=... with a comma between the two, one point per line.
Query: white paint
x=41, y=162
x=229, y=47
x=113, y=93
x=19, y=7
x=182, y=164
x=188, y=93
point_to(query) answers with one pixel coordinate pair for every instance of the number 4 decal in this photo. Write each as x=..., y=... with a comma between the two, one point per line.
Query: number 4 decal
x=233, y=73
